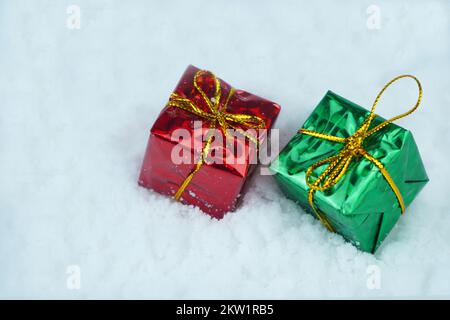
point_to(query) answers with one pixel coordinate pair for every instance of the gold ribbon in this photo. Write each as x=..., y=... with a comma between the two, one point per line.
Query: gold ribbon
x=352, y=150
x=216, y=116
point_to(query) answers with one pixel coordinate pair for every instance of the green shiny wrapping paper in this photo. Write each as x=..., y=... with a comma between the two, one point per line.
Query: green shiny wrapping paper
x=361, y=206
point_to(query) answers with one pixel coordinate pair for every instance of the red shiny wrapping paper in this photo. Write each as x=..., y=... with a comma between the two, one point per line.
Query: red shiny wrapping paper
x=215, y=188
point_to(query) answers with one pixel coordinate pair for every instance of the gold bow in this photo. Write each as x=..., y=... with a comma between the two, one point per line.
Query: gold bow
x=352, y=150
x=217, y=117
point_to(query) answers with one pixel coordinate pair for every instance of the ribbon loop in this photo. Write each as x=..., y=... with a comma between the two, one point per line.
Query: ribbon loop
x=353, y=148
x=405, y=114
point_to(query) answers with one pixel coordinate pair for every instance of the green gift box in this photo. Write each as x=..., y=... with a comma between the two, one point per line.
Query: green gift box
x=352, y=169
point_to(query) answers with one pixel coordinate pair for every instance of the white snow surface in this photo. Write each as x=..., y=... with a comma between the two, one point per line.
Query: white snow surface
x=76, y=107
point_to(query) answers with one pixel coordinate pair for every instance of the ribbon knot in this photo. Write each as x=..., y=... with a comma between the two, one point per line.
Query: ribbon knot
x=337, y=165
x=222, y=121
x=216, y=116
x=353, y=146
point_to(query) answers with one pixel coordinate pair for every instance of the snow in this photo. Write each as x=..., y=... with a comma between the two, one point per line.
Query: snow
x=76, y=107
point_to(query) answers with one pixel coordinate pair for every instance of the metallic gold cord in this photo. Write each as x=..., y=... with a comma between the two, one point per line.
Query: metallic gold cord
x=353, y=149
x=217, y=117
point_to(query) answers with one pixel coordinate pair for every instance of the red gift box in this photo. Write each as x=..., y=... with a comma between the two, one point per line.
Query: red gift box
x=216, y=164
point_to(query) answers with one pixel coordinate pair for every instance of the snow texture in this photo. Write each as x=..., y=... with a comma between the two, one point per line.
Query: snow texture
x=76, y=107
